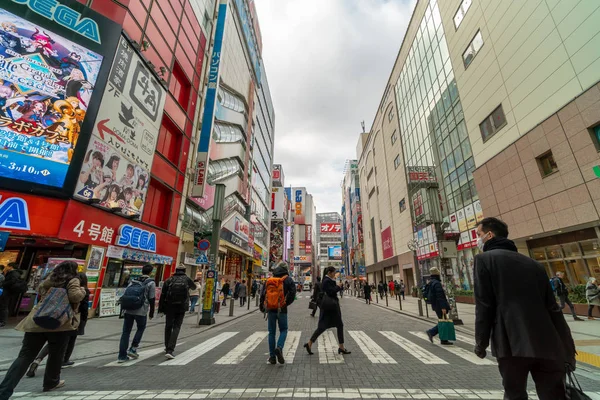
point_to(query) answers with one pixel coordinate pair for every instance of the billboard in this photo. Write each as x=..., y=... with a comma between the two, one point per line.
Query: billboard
x=52, y=75
x=116, y=168
x=334, y=252
x=299, y=195
x=277, y=203
x=386, y=243
x=421, y=174
x=331, y=227
x=278, y=175
x=276, y=250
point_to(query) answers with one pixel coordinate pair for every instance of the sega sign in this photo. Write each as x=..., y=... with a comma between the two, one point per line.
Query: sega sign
x=136, y=238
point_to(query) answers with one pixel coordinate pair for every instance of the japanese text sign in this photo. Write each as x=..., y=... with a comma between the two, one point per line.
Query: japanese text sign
x=331, y=227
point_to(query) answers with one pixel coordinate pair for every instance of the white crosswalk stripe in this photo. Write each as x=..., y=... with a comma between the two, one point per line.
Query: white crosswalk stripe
x=328, y=349
x=413, y=349
x=458, y=351
x=242, y=350
x=143, y=355
x=291, y=345
x=372, y=350
x=200, y=349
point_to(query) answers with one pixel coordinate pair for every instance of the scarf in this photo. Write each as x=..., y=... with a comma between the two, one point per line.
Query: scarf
x=499, y=243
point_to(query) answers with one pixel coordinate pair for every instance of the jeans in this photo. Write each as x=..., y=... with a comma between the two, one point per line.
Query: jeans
x=224, y=299
x=193, y=302
x=565, y=299
x=140, y=321
x=274, y=318
x=402, y=294
x=242, y=301
x=548, y=376
x=172, y=327
x=434, y=331
x=32, y=344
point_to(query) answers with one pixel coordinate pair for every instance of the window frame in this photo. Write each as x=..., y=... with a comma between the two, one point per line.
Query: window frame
x=490, y=119
x=394, y=137
x=475, y=52
x=460, y=8
x=402, y=205
x=397, y=161
x=539, y=160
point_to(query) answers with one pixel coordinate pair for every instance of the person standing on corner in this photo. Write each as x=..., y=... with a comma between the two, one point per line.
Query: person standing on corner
x=195, y=295
x=331, y=314
x=562, y=292
x=225, y=292
x=242, y=293
x=402, y=289
x=380, y=288
x=174, y=302
x=592, y=295
x=439, y=303
x=528, y=331
x=317, y=295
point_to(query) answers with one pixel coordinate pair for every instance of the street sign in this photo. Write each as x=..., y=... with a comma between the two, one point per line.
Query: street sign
x=203, y=245
x=202, y=259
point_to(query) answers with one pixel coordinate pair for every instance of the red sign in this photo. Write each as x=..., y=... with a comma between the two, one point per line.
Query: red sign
x=87, y=224
x=386, y=242
x=25, y=214
x=276, y=174
x=200, y=172
x=331, y=227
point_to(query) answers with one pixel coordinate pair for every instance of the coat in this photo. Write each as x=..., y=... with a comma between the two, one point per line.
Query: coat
x=75, y=293
x=242, y=290
x=367, y=290
x=592, y=294
x=437, y=296
x=163, y=303
x=331, y=318
x=519, y=316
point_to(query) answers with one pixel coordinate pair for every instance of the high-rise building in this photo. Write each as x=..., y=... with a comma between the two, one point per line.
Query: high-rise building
x=329, y=243
x=303, y=218
x=352, y=232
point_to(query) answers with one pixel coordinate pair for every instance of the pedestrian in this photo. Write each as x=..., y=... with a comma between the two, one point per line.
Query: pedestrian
x=277, y=294
x=138, y=303
x=380, y=288
x=242, y=293
x=12, y=288
x=392, y=286
x=402, y=289
x=528, y=331
x=64, y=276
x=174, y=302
x=331, y=314
x=317, y=295
x=83, y=312
x=439, y=303
x=562, y=292
x=254, y=288
x=225, y=292
x=236, y=289
x=592, y=294
x=195, y=295
x=367, y=290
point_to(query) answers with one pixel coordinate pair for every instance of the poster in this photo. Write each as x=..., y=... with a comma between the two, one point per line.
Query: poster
x=116, y=168
x=470, y=216
x=96, y=258
x=46, y=84
x=462, y=220
x=276, y=250
x=478, y=210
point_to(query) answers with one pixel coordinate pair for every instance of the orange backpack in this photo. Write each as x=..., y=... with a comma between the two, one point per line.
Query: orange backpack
x=274, y=297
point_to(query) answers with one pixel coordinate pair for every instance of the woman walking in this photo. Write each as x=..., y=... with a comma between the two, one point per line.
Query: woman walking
x=83, y=312
x=331, y=315
x=195, y=295
x=367, y=290
x=592, y=294
x=63, y=276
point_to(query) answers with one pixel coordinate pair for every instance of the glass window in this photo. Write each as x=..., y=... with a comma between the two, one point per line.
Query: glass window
x=474, y=194
x=547, y=164
x=397, y=161
x=462, y=180
x=498, y=118
x=444, y=168
x=571, y=250
x=455, y=141
x=458, y=112
x=486, y=128
x=453, y=176
x=461, y=170
x=591, y=247
x=466, y=148
x=579, y=270
x=458, y=159
x=538, y=254
x=554, y=252
x=472, y=49
x=594, y=266
x=451, y=165
x=458, y=200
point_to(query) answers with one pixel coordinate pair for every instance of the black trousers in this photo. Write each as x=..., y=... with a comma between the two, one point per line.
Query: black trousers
x=32, y=344
x=68, y=351
x=172, y=327
x=548, y=375
x=242, y=301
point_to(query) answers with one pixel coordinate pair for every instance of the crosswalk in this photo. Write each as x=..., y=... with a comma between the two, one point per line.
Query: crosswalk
x=379, y=347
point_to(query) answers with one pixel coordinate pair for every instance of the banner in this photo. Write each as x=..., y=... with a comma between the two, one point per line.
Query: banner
x=276, y=249
x=299, y=212
x=334, y=252
x=277, y=203
x=386, y=243
x=117, y=164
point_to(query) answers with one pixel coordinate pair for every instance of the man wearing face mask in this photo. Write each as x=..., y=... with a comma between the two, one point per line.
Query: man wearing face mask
x=515, y=309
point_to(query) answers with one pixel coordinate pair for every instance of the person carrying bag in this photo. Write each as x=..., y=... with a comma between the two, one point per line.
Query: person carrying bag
x=446, y=329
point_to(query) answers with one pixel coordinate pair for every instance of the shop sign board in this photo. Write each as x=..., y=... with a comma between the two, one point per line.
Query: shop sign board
x=277, y=203
x=277, y=176
x=53, y=71
x=3, y=239
x=386, y=243
x=122, y=253
x=418, y=174
x=230, y=237
x=210, y=288
x=302, y=259
x=334, y=252
x=478, y=210
x=239, y=225
x=331, y=227
x=299, y=215
x=470, y=216
x=24, y=213
x=136, y=238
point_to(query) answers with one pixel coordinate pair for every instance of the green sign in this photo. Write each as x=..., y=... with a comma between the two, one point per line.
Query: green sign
x=597, y=171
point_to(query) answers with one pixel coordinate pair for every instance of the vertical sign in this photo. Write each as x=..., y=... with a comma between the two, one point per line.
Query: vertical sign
x=209, y=292
x=208, y=115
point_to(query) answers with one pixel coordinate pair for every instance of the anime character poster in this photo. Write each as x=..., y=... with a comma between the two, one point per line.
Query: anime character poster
x=276, y=250
x=46, y=83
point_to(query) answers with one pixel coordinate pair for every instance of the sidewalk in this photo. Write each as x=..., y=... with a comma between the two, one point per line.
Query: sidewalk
x=102, y=335
x=585, y=333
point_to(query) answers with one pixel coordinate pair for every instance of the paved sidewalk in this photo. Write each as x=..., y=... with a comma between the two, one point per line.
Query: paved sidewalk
x=585, y=333
x=102, y=335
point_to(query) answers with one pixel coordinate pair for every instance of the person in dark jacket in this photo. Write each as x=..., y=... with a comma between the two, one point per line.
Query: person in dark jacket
x=12, y=287
x=562, y=292
x=331, y=314
x=367, y=290
x=527, y=329
x=439, y=302
x=317, y=295
x=380, y=289
x=278, y=316
x=225, y=292
x=174, y=302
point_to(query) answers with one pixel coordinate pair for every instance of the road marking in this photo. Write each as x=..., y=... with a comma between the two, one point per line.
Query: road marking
x=458, y=351
x=291, y=345
x=328, y=349
x=413, y=349
x=372, y=350
x=203, y=348
x=242, y=350
x=143, y=355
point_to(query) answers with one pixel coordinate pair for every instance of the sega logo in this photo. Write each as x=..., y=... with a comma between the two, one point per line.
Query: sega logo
x=298, y=196
x=136, y=238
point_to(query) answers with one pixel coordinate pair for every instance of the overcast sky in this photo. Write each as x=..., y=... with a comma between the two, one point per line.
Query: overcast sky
x=327, y=62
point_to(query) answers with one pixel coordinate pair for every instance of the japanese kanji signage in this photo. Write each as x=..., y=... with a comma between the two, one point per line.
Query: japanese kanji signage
x=116, y=168
x=331, y=227
x=421, y=174
x=210, y=102
x=277, y=203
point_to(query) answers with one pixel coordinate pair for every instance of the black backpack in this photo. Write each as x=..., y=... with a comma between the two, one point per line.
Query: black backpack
x=178, y=290
x=426, y=290
x=134, y=296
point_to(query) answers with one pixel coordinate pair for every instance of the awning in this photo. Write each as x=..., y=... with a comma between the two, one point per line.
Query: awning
x=235, y=248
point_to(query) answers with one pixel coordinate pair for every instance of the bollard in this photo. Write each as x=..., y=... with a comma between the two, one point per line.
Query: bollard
x=248, y=301
x=231, y=305
x=420, y=302
x=426, y=310
x=400, y=301
x=386, y=300
x=256, y=296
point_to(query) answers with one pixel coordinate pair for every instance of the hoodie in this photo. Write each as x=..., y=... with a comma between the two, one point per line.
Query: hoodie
x=289, y=289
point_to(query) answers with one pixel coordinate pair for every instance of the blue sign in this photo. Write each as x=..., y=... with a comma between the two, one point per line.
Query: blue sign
x=298, y=196
x=250, y=42
x=362, y=270
x=3, y=239
x=202, y=259
x=14, y=214
x=136, y=238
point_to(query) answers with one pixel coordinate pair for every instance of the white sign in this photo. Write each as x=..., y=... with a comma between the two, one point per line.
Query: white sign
x=277, y=203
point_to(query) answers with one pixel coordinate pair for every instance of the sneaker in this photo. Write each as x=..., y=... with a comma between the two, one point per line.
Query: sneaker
x=272, y=360
x=67, y=364
x=122, y=360
x=279, y=355
x=446, y=343
x=32, y=368
x=169, y=355
x=430, y=336
x=58, y=386
x=578, y=319
x=133, y=353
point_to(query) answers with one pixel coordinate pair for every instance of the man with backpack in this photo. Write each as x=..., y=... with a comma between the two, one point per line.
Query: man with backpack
x=277, y=294
x=137, y=300
x=434, y=294
x=562, y=292
x=12, y=288
x=174, y=302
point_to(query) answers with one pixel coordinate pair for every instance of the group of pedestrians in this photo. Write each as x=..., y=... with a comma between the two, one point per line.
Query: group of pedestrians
x=11, y=287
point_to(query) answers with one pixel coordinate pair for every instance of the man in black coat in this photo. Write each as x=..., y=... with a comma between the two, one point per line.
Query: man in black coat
x=516, y=309
x=439, y=303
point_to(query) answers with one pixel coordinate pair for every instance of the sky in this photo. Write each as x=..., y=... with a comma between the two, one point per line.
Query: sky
x=327, y=63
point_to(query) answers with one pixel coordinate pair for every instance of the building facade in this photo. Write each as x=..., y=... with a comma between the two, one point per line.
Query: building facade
x=352, y=231
x=329, y=243
x=302, y=233
x=280, y=218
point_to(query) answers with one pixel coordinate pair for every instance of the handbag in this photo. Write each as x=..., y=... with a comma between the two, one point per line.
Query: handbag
x=446, y=329
x=54, y=310
x=312, y=305
x=328, y=303
x=574, y=391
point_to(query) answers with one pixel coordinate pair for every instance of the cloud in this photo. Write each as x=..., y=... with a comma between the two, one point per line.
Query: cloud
x=327, y=63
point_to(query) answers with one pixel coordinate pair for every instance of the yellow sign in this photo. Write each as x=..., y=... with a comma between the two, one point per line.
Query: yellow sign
x=208, y=294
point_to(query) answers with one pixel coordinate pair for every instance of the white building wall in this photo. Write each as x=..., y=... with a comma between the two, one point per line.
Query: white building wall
x=236, y=70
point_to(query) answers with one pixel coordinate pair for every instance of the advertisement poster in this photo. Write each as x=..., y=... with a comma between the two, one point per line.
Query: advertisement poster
x=478, y=210
x=334, y=252
x=462, y=220
x=277, y=203
x=470, y=216
x=331, y=227
x=96, y=257
x=46, y=83
x=117, y=164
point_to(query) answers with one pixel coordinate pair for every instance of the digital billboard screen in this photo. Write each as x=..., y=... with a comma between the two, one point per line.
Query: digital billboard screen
x=334, y=252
